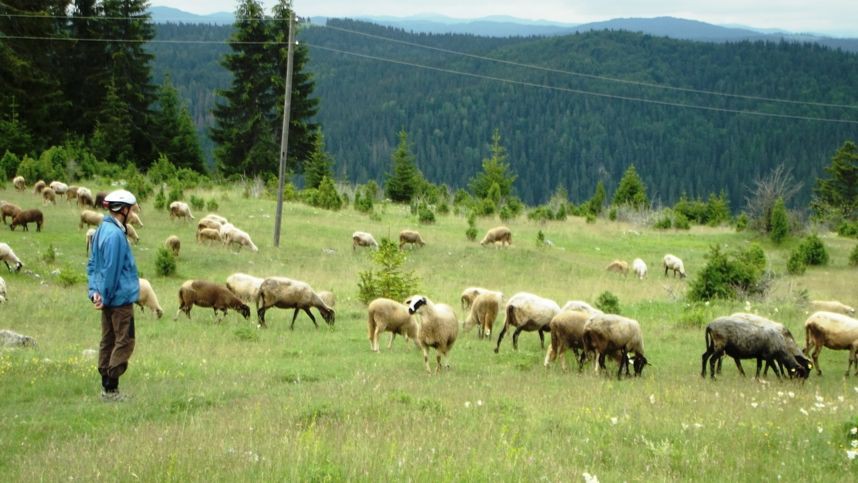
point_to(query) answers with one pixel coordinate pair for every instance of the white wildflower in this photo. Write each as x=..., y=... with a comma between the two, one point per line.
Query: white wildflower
x=780, y=394
x=479, y=402
x=588, y=478
x=854, y=443
x=697, y=425
x=853, y=430
x=754, y=405
x=791, y=394
x=652, y=398
x=819, y=398
x=840, y=398
x=819, y=429
x=851, y=454
x=614, y=420
x=684, y=426
x=803, y=411
x=467, y=404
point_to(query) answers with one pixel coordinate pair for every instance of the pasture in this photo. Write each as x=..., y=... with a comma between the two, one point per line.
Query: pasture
x=229, y=402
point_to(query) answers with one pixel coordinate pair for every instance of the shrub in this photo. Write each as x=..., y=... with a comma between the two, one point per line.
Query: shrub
x=485, y=207
x=608, y=303
x=211, y=205
x=161, y=200
x=68, y=277
x=779, y=222
x=471, y=232
x=175, y=194
x=162, y=170
x=165, y=263
x=727, y=276
x=505, y=213
x=388, y=280
x=813, y=251
x=444, y=208
x=741, y=222
x=540, y=239
x=848, y=229
x=754, y=256
x=591, y=218
x=680, y=222
x=540, y=214
x=425, y=214
x=9, y=165
x=853, y=257
x=364, y=197
x=197, y=203
x=50, y=254
x=694, y=315
x=326, y=196
x=663, y=223
x=612, y=213
x=560, y=213
x=795, y=263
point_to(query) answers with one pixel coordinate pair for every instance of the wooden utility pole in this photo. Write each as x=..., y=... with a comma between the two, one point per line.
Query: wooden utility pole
x=284, y=135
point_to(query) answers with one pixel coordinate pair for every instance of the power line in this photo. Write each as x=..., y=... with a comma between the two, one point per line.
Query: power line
x=583, y=92
x=591, y=76
x=142, y=41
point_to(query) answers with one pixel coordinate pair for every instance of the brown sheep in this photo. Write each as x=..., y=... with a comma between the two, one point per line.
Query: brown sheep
x=27, y=216
x=49, y=196
x=99, y=199
x=411, y=237
x=71, y=193
x=606, y=334
x=386, y=315
x=618, y=266
x=173, y=244
x=832, y=330
x=90, y=218
x=567, y=330
x=85, y=198
x=208, y=234
x=498, y=234
x=208, y=294
x=131, y=234
x=484, y=311
x=10, y=210
x=39, y=186
x=285, y=293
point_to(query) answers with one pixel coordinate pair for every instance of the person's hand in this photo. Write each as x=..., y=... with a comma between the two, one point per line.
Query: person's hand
x=96, y=300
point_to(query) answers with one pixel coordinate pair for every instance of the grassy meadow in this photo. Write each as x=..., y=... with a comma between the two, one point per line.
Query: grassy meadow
x=229, y=402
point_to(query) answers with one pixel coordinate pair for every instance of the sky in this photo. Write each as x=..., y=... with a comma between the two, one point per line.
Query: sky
x=831, y=17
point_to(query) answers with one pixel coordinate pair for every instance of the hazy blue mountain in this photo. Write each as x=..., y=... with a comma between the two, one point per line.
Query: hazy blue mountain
x=174, y=15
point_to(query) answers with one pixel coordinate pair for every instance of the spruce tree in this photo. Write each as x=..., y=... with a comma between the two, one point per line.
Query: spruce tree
x=404, y=177
x=175, y=136
x=319, y=165
x=109, y=142
x=597, y=202
x=838, y=193
x=495, y=171
x=779, y=222
x=631, y=191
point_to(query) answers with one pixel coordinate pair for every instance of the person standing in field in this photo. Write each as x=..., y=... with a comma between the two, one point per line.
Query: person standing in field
x=113, y=288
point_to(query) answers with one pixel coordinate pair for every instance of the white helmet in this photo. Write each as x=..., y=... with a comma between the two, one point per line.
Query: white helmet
x=119, y=198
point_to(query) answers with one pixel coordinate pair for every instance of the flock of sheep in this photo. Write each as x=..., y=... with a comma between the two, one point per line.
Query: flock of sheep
x=590, y=333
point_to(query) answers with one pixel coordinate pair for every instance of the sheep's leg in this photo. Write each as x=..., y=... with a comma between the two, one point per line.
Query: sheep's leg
x=515, y=337
x=549, y=355
x=816, y=350
x=704, y=358
x=390, y=342
x=500, y=337
x=426, y=358
x=542, y=337
x=739, y=366
x=759, y=366
x=622, y=361
x=307, y=311
x=260, y=314
x=713, y=359
x=294, y=315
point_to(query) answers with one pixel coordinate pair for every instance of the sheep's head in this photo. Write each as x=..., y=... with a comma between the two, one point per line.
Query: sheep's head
x=638, y=364
x=328, y=314
x=244, y=310
x=414, y=303
x=18, y=266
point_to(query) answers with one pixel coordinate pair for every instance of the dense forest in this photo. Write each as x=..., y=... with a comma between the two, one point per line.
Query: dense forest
x=558, y=137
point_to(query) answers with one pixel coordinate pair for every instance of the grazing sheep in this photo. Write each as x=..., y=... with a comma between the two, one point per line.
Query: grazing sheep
x=386, y=315
x=832, y=330
x=529, y=312
x=49, y=196
x=285, y=293
x=580, y=306
x=741, y=339
x=19, y=183
x=483, y=313
x=10, y=338
x=497, y=234
x=438, y=328
x=85, y=198
x=209, y=223
x=567, y=330
x=134, y=219
x=38, y=187
x=10, y=210
x=179, y=209
x=235, y=236
x=71, y=193
x=208, y=234
x=792, y=347
x=410, y=236
x=470, y=293
x=619, y=266
x=208, y=294
x=832, y=306
x=131, y=234
x=99, y=199
x=59, y=187
x=148, y=298
x=90, y=218
x=363, y=239
x=244, y=286
x=639, y=267
x=328, y=297
x=616, y=335
x=173, y=244
x=24, y=217
x=672, y=262
x=2, y=290
x=212, y=216
x=89, y=234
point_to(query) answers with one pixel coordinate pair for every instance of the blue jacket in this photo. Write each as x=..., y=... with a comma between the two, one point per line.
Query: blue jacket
x=111, y=270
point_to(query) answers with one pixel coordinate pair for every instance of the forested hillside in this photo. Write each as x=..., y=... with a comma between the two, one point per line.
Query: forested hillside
x=559, y=137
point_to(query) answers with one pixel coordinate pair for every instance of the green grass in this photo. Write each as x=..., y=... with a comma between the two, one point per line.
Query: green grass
x=227, y=401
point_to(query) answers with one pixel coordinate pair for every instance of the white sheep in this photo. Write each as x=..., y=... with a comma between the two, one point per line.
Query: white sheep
x=89, y=234
x=238, y=237
x=2, y=290
x=173, y=244
x=180, y=209
x=244, y=286
x=8, y=256
x=328, y=297
x=19, y=182
x=470, y=293
x=134, y=219
x=59, y=187
x=438, y=328
x=71, y=193
x=526, y=311
x=832, y=330
x=208, y=234
x=672, y=262
x=212, y=216
x=580, y=306
x=148, y=298
x=567, y=330
x=618, y=266
x=639, y=267
x=85, y=198
x=386, y=315
x=90, y=218
x=48, y=196
x=131, y=234
x=411, y=237
x=484, y=311
x=498, y=234
x=613, y=334
x=832, y=306
x=209, y=223
x=363, y=239
x=39, y=186
x=285, y=293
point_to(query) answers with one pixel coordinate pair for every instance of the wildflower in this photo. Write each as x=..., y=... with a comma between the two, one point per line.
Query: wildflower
x=791, y=394
x=803, y=411
x=614, y=420
x=697, y=425
x=854, y=431
x=684, y=426
x=854, y=443
x=851, y=454
x=467, y=404
x=652, y=398
x=479, y=402
x=819, y=429
x=819, y=398
x=588, y=478
x=754, y=405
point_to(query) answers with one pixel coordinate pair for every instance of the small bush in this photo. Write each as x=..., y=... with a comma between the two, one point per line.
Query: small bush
x=608, y=303
x=443, y=208
x=326, y=196
x=680, y=222
x=779, y=222
x=694, y=315
x=727, y=276
x=612, y=213
x=848, y=229
x=540, y=214
x=591, y=218
x=69, y=277
x=795, y=263
x=853, y=257
x=425, y=214
x=389, y=280
x=165, y=263
x=50, y=254
x=813, y=251
x=663, y=223
x=540, y=239
x=197, y=203
x=176, y=194
x=211, y=205
x=485, y=207
x=741, y=222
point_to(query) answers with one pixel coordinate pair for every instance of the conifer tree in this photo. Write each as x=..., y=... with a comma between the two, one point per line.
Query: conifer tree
x=779, y=222
x=495, y=171
x=319, y=165
x=631, y=191
x=110, y=140
x=176, y=137
x=404, y=177
x=838, y=193
x=597, y=202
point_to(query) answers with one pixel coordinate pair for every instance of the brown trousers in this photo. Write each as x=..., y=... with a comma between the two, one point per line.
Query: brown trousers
x=117, y=340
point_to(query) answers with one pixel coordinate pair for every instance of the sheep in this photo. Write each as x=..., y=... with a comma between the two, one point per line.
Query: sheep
x=148, y=298
x=410, y=236
x=832, y=306
x=89, y=234
x=211, y=216
x=10, y=210
x=238, y=237
x=639, y=267
x=580, y=306
x=24, y=217
x=38, y=187
x=179, y=209
x=85, y=198
x=832, y=330
x=386, y=315
x=614, y=334
x=529, y=312
x=672, y=262
x=483, y=313
x=208, y=294
x=131, y=234
x=2, y=290
x=134, y=219
x=99, y=199
x=173, y=244
x=244, y=286
x=363, y=239
x=8, y=256
x=89, y=218
x=328, y=297
x=619, y=266
x=741, y=339
x=286, y=293
x=71, y=193
x=497, y=234
x=20, y=183
x=9, y=338
x=208, y=234
x=59, y=187
x=470, y=293
x=209, y=223
x=438, y=328
x=49, y=196
x=792, y=347
x=567, y=330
